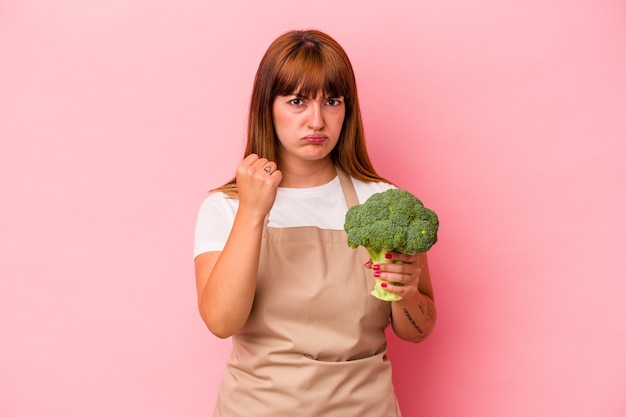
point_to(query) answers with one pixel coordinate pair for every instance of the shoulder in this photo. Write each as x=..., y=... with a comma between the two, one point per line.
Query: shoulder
x=365, y=190
x=217, y=204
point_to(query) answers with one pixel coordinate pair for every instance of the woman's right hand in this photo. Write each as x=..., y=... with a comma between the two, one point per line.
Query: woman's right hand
x=257, y=184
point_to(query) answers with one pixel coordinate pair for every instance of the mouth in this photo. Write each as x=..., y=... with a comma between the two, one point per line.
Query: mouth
x=316, y=139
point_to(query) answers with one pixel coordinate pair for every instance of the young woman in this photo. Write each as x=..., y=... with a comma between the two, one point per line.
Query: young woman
x=273, y=269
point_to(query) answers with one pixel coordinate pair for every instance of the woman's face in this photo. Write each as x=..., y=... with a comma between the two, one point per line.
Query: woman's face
x=307, y=128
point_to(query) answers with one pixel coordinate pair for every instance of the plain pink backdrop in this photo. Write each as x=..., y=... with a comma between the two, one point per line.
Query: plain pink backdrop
x=507, y=118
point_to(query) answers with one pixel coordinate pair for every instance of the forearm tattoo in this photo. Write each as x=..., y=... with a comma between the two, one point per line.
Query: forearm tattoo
x=408, y=316
x=426, y=310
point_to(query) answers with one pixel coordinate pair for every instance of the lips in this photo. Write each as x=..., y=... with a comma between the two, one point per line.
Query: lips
x=316, y=139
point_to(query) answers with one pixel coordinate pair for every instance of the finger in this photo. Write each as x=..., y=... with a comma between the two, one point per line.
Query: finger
x=392, y=287
x=402, y=290
x=397, y=273
x=263, y=165
x=250, y=159
x=270, y=167
x=259, y=163
x=248, y=165
x=394, y=277
x=402, y=257
x=404, y=268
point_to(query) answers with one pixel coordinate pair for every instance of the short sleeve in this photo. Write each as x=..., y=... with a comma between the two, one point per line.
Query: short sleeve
x=365, y=190
x=213, y=224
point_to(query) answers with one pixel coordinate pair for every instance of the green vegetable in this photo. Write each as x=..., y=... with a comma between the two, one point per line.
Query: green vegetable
x=391, y=221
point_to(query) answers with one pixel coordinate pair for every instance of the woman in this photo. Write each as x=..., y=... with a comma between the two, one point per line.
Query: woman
x=273, y=269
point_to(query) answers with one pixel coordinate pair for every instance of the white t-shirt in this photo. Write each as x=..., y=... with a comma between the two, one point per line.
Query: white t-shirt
x=323, y=206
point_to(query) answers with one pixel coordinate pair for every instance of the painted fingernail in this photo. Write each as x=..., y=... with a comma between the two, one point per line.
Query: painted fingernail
x=377, y=274
x=388, y=256
x=383, y=285
x=375, y=267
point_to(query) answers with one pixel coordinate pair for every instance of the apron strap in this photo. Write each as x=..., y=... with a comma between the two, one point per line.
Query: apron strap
x=348, y=188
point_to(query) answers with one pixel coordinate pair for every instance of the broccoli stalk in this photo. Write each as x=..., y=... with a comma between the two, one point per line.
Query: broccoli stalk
x=378, y=257
x=391, y=221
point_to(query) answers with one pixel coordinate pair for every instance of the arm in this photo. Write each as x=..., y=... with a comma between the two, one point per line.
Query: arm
x=226, y=281
x=412, y=318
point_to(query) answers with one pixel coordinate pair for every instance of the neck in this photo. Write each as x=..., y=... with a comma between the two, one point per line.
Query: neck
x=309, y=174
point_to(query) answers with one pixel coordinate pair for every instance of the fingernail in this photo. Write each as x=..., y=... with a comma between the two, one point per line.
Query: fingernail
x=377, y=274
x=383, y=285
x=388, y=256
x=376, y=267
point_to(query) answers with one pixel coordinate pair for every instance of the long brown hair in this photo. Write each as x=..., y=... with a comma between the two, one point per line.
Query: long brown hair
x=307, y=62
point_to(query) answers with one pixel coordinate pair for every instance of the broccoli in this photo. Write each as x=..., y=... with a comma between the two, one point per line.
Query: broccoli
x=391, y=221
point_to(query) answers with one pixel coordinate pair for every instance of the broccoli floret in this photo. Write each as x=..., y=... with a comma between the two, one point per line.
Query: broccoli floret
x=391, y=221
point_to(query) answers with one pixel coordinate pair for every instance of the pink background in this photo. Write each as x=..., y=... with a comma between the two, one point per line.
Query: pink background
x=506, y=117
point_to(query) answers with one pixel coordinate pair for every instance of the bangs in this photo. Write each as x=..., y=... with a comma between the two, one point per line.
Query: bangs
x=307, y=72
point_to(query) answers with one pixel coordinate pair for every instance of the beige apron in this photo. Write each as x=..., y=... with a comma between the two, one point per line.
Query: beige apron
x=314, y=344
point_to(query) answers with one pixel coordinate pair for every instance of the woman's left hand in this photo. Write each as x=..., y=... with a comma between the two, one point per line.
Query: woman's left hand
x=413, y=317
x=400, y=278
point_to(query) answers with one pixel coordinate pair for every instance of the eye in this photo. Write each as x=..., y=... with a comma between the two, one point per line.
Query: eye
x=296, y=102
x=333, y=102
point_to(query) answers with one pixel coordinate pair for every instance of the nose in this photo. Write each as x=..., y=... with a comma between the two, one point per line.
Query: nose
x=316, y=118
